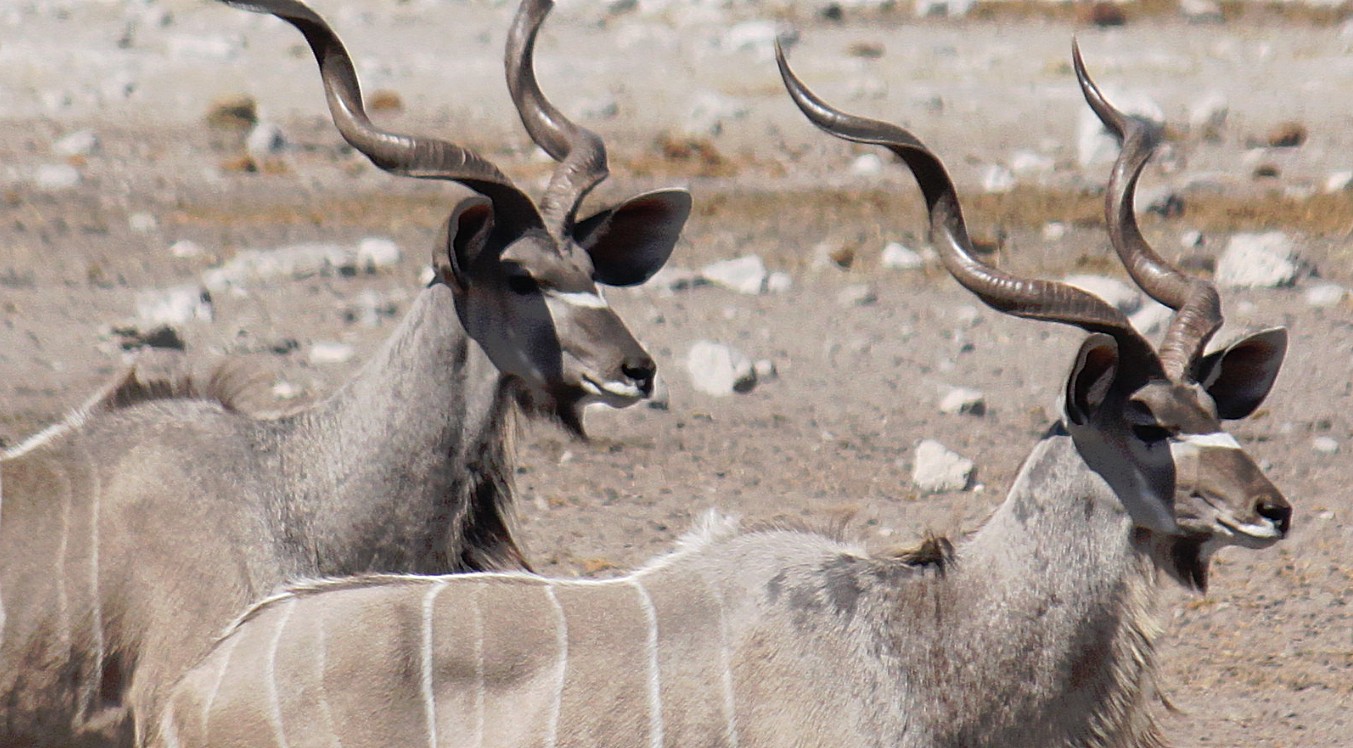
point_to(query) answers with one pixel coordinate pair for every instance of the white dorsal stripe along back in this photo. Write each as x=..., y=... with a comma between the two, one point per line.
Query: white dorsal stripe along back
x=582, y=299
x=1219, y=439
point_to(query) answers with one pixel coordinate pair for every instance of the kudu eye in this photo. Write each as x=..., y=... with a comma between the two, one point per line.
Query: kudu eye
x=522, y=284
x=1151, y=433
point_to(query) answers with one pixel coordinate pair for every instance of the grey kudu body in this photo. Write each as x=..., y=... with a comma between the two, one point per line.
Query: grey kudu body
x=132, y=533
x=1034, y=631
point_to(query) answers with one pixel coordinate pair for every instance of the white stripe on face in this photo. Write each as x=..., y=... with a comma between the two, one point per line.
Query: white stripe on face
x=1216, y=439
x=583, y=299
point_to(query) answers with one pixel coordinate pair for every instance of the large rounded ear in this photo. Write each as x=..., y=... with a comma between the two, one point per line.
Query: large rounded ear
x=466, y=233
x=630, y=242
x=1240, y=376
x=1091, y=377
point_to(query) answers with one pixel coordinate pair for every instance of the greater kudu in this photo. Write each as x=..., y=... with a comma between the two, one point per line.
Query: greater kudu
x=133, y=532
x=1036, y=631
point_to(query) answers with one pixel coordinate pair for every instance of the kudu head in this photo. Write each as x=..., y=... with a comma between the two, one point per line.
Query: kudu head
x=1147, y=420
x=525, y=276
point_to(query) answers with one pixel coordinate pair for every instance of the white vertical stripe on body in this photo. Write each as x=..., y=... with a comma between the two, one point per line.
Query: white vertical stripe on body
x=478, y=618
x=168, y=729
x=726, y=665
x=229, y=645
x=561, y=668
x=322, y=645
x=655, y=726
x=96, y=601
x=429, y=696
x=270, y=677
x=2, y=590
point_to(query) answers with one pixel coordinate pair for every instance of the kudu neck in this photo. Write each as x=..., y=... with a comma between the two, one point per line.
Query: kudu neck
x=1055, y=594
x=395, y=446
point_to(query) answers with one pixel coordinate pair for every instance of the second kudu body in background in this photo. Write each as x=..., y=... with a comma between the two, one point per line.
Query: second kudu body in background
x=132, y=533
x=1035, y=631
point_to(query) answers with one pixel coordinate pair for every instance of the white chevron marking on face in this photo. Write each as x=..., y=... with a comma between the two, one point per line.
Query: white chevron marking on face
x=583, y=299
x=1215, y=439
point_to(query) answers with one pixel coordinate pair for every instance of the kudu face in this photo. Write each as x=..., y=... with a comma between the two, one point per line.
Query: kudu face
x=1146, y=419
x=524, y=275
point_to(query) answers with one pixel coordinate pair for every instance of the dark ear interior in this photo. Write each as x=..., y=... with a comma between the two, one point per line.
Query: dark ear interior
x=630, y=242
x=1091, y=377
x=467, y=233
x=1240, y=376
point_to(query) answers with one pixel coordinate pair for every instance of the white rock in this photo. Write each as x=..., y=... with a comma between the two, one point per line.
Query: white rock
x=1054, y=230
x=942, y=8
x=1258, y=261
x=56, y=177
x=710, y=111
x=937, y=470
x=765, y=370
x=370, y=308
x=377, y=253
x=746, y=274
x=1094, y=144
x=1191, y=239
x=173, y=306
x=143, y=223
x=265, y=140
x=671, y=279
x=717, y=369
x=898, y=257
x=857, y=294
x=1201, y=11
x=184, y=48
x=330, y=352
x=997, y=179
x=1030, y=163
x=1152, y=318
x=779, y=282
x=758, y=37
x=1325, y=445
x=1208, y=113
x=186, y=248
x=867, y=165
x=79, y=143
x=1119, y=294
x=1339, y=181
x=1325, y=295
x=297, y=261
x=963, y=400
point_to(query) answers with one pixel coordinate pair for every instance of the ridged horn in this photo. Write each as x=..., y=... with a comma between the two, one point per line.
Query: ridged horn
x=403, y=155
x=1196, y=302
x=580, y=152
x=1030, y=298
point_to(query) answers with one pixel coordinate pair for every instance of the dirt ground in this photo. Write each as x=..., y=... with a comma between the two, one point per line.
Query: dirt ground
x=1265, y=659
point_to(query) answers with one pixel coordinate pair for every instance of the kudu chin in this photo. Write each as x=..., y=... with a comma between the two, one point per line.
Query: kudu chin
x=1034, y=631
x=134, y=531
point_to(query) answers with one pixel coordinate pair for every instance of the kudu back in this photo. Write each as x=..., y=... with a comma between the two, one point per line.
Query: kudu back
x=1037, y=630
x=131, y=533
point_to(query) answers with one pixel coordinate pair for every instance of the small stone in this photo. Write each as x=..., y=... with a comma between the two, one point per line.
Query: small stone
x=671, y=279
x=1325, y=445
x=264, y=141
x=942, y=8
x=1191, y=239
x=963, y=400
x=716, y=369
x=898, y=257
x=1201, y=11
x=997, y=179
x=1207, y=115
x=142, y=223
x=779, y=282
x=1258, y=261
x=1030, y=163
x=938, y=470
x=1054, y=231
x=1119, y=294
x=1287, y=135
x=370, y=309
x=385, y=100
x=765, y=370
x=57, y=177
x=867, y=165
x=834, y=254
x=1103, y=13
x=1339, y=181
x=80, y=143
x=857, y=294
x=237, y=112
x=186, y=248
x=284, y=390
x=377, y=253
x=746, y=274
x=329, y=352
x=710, y=112
x=1325, y=295
x=174, y=306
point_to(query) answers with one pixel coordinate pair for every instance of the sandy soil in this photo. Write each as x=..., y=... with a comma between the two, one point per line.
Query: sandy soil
x=1266, y=659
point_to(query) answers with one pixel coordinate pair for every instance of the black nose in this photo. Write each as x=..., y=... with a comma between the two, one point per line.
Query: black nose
x=1276, y=510
x=640, y=370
